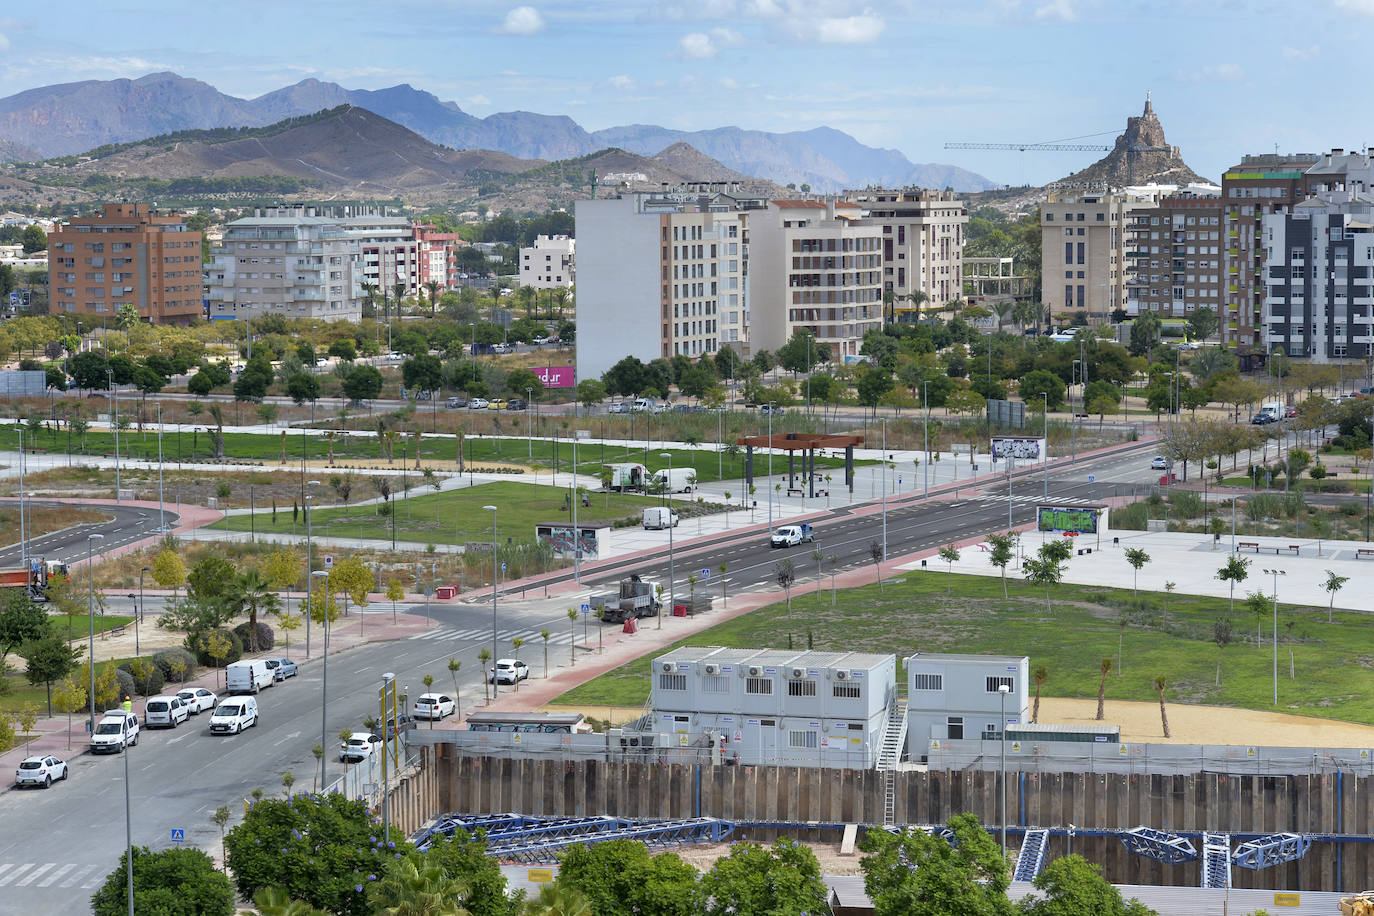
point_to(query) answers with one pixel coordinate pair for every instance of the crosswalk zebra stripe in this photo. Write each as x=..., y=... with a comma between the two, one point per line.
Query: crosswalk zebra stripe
x=18, y=870
x=94, y=880
x=57, y=875
x=28, y=879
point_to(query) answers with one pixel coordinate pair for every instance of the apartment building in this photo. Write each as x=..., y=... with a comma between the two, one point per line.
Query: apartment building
x=923, y=244
x=815, y=265
x=129, y=254
x=549, y=263
x=662, y=273
x=438, y=256
x=1257, y=186
x=1083, y=235
x=1174, y=254
x=1318, y=270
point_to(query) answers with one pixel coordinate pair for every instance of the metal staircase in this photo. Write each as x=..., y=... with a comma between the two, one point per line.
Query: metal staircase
x=1032, y=855
x=1216, y=860
x=890, y=754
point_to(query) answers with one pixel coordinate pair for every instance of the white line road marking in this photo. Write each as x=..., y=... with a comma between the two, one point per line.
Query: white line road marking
x=27, y=879
x=48, y=881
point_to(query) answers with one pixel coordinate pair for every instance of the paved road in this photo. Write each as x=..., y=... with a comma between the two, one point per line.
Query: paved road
x=127, y=525
x=57, y=845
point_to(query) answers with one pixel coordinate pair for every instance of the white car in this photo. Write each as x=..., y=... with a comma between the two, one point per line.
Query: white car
x=433, y=706
x=165, y=712
x=619, y=407
x=114, y=732
x=197, y=699
x=509, y=671
x=359, y=747
x=234, y=715
x=478, y=404
x=40, y=771
x=1160, y=463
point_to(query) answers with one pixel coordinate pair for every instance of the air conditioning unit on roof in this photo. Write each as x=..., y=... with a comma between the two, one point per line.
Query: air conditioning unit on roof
x=755, y=671
x=667, y=667
x=798, y=672
x=712, y=669
x=841, y=675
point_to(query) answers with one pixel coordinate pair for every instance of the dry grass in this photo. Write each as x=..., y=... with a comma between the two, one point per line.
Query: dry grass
x=194, y=488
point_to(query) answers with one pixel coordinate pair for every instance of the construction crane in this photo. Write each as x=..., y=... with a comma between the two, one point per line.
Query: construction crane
x=1131, y=152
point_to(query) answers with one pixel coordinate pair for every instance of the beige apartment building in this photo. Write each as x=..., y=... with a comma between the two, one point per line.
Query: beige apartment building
x=923, y=244
x=816, y=265
x=127, y=255
x=1174, y=256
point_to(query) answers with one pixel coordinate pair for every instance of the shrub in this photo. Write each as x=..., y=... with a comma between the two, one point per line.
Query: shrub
x=267, y=637
x=1130, y=518
x=126, y=686
x=1263, y=506
x=1186, y=504
x=1352, y=510
x=166, y=667
x=235, y=650
x=1155, y=500
x=149, y=685
x=1318, y=471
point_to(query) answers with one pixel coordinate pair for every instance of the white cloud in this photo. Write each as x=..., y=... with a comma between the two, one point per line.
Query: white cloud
x=697, y=46
x=1223, y=73
x=4, y=43
x=848, y=30
x=1301, y=53
x=621, y=81
x=1062, y=10
x=1361, y=7
x=726, y=82
x=523, y=20
x=477, y=100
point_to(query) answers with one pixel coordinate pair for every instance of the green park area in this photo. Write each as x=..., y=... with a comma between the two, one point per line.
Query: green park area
x=1179, y=637
x=448, y=517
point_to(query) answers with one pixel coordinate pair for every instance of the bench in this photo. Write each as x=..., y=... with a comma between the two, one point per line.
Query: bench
x=1253, y=545
x=1364, y=552
x=1257, y=547
x=796, y=491
x=117, y=630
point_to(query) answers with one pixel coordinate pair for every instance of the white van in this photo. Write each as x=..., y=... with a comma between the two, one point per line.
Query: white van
x=114, y=732
x=658, y=517
x=674, y=480
x=165, y=712
x=248, y=676
x=643, y=404
x=234, y=715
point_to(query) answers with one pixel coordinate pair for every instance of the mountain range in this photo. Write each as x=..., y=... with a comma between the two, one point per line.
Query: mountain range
x=71, y=118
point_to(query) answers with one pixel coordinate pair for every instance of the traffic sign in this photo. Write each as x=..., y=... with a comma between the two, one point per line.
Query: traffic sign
x=178, y=835
x=705, y=573
x=1092, y=477
x=328, y=562
x=586, y=608
x=503, y=567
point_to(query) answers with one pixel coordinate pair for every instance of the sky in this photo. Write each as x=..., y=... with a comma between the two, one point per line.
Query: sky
x=1227, y=77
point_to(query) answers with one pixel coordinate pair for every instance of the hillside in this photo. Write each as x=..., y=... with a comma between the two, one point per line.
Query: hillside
x=69, y=118
x=1140, y=155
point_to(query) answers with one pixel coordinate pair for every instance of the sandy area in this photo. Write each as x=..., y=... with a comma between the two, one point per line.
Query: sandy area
x=1209, y=724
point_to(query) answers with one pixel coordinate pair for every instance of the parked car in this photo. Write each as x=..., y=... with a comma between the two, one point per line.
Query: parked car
x=165, y=712
x=197, y=699
x=1290, y=412
x=502, y=348
x=40, y=771
x=497, y=404
x=114, y=732
x=516, y=404
x=358, y=747
x=792, y=535
x=234, y=715
x=478, y=404
x=770, y=408
x=433, y=706
x=619, y=407
x=282, y=668
x=455, y=403
x=1159, y=463
x=509, y=671
x=541, y=340
x=402, y=722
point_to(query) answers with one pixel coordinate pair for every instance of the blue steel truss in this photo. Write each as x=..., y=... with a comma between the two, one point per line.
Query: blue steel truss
x=501, y=826
x=1216, y=860
x=1032, y=856
x=1156, y=844
x=516, y=838
x=1274, y=849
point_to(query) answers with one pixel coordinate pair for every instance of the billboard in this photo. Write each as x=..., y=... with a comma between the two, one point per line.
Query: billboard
x=556, y=376
x=1020, y=449
x=1066, y=518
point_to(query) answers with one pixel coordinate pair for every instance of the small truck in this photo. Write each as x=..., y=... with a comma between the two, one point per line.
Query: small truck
x=637, y=598
x=792, y=535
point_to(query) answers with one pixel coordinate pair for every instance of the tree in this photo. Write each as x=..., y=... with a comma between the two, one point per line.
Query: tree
x=1202, y=323
x=1160, y=683
x=313, y=847
x=181, y=881
x=1237, y=569
x=872, y=385
x=423, y=372
x=754, y=880
x=51, y=659
x=1104, y=667
x=558, y=901
x=411, y=889
x=148, y=381
x=302, y=387
x=1047, y=566
x=34, y=239
x=1002, y=550
x=1072, y=886
x=394, y=592
x=254, y=380
x=363, y=383
x=90, y=370
x=590, y=392
x=950, y=554
x=785, y=577
x=1221, y=635
x=1040, y=382
x=697, y=380
x=21, y=621
x=1137, y=558
x=248, y=594
x=1040, y=675
x=1333, y=584
x=517, y=380
x=914, y=873
x=71, y=696
x=344, y=349
x=168, y=570
x=875, y=553
x=619, y=878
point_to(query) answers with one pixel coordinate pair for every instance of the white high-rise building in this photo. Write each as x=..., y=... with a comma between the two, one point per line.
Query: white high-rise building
x=923, y=244
x=549, y=264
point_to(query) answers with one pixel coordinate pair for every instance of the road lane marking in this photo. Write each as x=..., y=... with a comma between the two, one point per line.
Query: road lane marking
x=48, y=881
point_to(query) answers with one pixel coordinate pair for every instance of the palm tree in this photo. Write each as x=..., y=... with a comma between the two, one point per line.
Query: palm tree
x=252, y=593
x=1041, y=674
x=369, y=294
x=528, y=296
x=516, y=645
x=556, y=900
x=399, y=290
x=406, y=890
x=1160, y=683
x=889, y=311
x=275, y=901
x=433, y=287
x=918, y=298
x=545, y=634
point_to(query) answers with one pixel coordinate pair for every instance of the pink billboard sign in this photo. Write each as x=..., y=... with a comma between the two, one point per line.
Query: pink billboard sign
x=557, y=376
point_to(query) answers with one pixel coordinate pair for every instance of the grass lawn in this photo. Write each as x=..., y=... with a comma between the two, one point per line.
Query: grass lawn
x=453, y=516
x=18, y=693
x=1163, y=634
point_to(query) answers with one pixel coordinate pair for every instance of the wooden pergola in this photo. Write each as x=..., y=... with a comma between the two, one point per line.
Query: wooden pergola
x=807, y=444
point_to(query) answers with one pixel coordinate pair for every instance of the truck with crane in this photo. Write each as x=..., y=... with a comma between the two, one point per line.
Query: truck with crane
x=636, y=598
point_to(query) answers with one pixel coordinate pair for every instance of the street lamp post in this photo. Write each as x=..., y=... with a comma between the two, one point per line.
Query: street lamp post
x=114, y=401
x=1275, y=573
x=672, y=523
x=577, y=532
x=161, y=508
x=925, y=433
x=492, y=510
x=324, y=676
x=529, y=429
x=1045, y=449
x=1073, y=414
x=90, y=609
x=139, y=617
x=309, y=565
x=770, y=466
x=387, y=679
x=1003, y=690
x=128, y=834
x=883, y=461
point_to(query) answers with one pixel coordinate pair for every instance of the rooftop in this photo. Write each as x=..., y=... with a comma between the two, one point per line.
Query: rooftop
x=775, y=657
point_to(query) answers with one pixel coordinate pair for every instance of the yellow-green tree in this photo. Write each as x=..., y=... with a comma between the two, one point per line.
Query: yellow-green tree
x=395, y=591
x=168, y=570
x=70, y=695
x=217, y=647
x=26, y=718
x=106, y=684
x=323, y=605
x=354, y=578
x=286, y=623
x=282, y=570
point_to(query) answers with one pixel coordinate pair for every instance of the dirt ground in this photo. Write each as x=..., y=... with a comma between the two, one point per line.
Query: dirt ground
x=1209, y=724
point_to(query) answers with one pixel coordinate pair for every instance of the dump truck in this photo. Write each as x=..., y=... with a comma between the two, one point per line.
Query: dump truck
x=636, y=598
x=33, y=578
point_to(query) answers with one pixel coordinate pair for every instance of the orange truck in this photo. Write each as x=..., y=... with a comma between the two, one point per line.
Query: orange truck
x=34, y=577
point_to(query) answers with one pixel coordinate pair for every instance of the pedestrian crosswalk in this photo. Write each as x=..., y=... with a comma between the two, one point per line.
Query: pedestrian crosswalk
x=480, y=634
x=51, y=874
x=1040, y=500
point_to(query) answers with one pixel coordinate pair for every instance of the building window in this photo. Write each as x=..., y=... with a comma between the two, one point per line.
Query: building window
x=994, y=683
x=801, y=739
x=803, y=688
x=928, y=682
x=847, y=691
x=759, y=685
x=715, y=683
x=672, y=682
